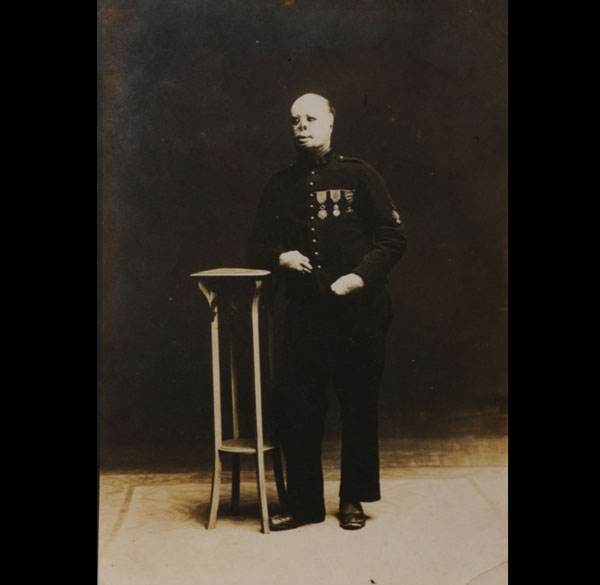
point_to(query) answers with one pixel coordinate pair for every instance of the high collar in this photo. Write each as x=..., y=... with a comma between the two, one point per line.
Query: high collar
x=305, y=160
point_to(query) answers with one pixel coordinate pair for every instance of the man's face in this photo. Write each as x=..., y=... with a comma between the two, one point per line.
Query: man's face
x=312, y=123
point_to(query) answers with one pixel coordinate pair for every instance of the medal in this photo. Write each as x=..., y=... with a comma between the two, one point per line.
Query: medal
x=335, y=197
x=349, y=195
x=321, y=198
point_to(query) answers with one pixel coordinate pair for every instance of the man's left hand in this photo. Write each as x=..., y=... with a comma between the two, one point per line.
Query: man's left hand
x=346, y=284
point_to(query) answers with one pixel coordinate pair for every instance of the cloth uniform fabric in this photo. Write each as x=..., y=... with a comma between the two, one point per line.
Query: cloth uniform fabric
x=337, y=211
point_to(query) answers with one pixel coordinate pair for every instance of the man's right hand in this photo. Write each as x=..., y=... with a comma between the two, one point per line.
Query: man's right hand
x=294, y=260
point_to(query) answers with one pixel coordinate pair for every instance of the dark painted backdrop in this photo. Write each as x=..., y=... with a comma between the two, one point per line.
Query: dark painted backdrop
x=193, y=102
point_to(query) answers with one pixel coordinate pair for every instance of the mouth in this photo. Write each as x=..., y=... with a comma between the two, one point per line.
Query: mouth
x=302, y=138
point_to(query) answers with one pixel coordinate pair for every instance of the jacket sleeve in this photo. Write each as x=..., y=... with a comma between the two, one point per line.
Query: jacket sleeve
x=389, y=240
x=264, y=245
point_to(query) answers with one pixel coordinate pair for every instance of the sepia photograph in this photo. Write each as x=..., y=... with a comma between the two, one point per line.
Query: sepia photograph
x=303, y=292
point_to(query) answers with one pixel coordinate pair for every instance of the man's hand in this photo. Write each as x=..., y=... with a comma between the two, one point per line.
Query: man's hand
x=346, y=284
x=294, y=260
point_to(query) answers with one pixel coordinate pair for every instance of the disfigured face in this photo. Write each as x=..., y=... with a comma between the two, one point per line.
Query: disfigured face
x=312, y=123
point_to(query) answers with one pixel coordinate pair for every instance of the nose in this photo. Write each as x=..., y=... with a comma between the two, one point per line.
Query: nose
x=303, y=125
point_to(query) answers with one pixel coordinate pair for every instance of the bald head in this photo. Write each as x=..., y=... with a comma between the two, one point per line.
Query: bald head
x=312, y=123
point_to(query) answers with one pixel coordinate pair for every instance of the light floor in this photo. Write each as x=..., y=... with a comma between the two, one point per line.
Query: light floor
x=433, y=526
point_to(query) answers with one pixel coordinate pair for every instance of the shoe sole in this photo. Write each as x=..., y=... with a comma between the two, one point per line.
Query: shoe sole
x=352, y=526
x=352, y=521
x=281, y=528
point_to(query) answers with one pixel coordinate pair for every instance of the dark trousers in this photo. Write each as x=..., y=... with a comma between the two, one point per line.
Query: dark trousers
x=334, y=342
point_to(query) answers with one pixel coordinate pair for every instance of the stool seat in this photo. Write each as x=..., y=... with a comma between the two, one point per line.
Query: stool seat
x=243, y=446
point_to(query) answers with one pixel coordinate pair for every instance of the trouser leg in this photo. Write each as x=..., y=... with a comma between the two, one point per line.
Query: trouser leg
x=357, y=389
x=301, y=434
x=301, y=409
x=359, y=362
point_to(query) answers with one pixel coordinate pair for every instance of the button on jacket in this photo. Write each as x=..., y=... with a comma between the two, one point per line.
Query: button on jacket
x=335, y=210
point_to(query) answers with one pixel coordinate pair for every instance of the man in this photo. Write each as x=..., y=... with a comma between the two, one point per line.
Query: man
x=329, y=227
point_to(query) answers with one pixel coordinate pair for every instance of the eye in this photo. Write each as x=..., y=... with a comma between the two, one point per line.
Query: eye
x=310, y=118
x=294, y=121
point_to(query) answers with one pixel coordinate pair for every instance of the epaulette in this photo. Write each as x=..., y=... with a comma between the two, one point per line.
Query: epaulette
x=343, y=158
x=353, y=159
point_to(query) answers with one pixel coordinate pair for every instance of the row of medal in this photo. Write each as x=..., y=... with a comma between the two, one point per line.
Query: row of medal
x=336, y=196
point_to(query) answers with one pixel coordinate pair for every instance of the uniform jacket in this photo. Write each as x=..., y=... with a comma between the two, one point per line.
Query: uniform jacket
x=335, y=210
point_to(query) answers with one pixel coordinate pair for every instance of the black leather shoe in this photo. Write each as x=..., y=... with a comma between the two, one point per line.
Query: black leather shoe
x=352, y=516
x=288, y=520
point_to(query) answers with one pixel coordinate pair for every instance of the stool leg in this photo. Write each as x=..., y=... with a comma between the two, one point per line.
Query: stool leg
x=235, y=484
x=235, y=462
x=216, y=376
x=260, y=453
x=216, y=488
x=262, y=492
x=279, y=480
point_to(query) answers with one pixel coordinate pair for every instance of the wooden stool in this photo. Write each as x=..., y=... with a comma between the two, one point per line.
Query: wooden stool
x=218, y=286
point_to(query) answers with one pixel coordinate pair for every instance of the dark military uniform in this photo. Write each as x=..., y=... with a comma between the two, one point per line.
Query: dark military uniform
x=336, y=211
